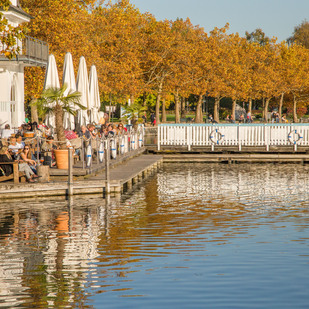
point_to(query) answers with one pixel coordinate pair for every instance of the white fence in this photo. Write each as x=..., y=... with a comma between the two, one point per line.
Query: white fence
x=238, y=135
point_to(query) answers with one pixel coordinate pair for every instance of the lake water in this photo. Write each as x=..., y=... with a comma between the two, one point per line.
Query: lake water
x=191, y=236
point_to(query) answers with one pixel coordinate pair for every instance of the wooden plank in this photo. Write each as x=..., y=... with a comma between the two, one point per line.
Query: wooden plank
x=131, y=168
x=16, y=172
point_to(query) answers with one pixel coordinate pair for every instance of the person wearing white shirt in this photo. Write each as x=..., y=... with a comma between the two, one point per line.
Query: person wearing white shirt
x=7, y=131
x=13, y=147
x=19, y=141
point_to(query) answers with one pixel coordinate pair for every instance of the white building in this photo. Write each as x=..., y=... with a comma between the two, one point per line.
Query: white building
x=33, y=53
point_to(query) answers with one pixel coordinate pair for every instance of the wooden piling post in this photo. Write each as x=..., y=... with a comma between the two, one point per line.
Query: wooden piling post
x=38, y=150
x=70, y=172
x=129, y=184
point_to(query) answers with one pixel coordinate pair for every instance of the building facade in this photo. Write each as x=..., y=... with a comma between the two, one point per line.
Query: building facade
x=33, y=52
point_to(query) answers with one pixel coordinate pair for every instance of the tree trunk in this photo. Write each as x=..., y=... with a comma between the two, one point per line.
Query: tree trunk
x=59, y=126
x=266, y=109
x=263, y=113
x=163, y=112
x=158, y=104
x=294, y=109
x=250, y=106
x=199, y=112
x=177, y=107
x=34, y=112
x=280, y=107
x=234, y=109
x=216, y=108
x=183, y=107
x=158, y=108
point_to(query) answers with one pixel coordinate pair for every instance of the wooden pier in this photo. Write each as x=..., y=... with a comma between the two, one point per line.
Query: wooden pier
x=231, y=158
x=122, y=177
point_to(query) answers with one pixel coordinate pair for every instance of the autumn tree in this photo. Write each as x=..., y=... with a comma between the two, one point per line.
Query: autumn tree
x=268, y=73
x=217, y=87
x=64, y=24
x=238, y=81
x=9, y=34
x=294, y=72
x=301, y=34
x=117, y=35
x=159, y=57
x=199, y=55
x=185, y=38
x=257, y=36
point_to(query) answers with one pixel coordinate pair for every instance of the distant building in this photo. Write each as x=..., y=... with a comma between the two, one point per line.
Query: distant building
x=33, y=53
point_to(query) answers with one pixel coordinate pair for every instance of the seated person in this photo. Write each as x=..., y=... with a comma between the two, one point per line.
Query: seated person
x=48, y=146
x=26, y=156
x=7, y=131
x=19, y=141
x=91, y=129
x=84, y=133
x=103, y=130
x=110, y=130
x=121, y=129
x=13, y=147
x=8, y=168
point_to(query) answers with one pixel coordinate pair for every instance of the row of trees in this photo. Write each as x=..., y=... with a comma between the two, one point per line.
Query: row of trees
x=137, y=55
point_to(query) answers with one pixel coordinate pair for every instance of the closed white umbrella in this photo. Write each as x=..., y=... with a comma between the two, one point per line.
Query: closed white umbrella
x=51, y=81
x=68, y=78
x=82, y=85
x=94, y=95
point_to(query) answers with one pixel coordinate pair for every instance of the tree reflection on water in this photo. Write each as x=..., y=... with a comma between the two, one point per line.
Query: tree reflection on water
x=53, y=251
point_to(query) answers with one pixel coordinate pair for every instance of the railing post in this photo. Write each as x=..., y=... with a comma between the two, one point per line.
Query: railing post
x=189, y=134
x=266, y=136
x=239, y=137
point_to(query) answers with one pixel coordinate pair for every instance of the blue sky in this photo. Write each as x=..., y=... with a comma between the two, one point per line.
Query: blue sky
x=276, y=17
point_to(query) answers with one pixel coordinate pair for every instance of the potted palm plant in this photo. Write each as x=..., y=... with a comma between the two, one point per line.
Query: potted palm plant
x=56, y=101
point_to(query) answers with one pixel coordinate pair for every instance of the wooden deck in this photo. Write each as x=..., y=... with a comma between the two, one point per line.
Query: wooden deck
x=131, y=169
x=122, y=176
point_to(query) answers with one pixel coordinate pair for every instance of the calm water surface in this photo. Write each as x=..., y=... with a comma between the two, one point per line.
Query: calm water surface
x=192, y=236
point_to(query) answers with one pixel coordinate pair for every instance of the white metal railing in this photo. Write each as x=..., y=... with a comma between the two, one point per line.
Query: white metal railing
x=119, y=146
x=31, y=50
x=189, y=135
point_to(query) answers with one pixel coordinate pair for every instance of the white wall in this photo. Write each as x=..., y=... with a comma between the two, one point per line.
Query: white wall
x=12, y=77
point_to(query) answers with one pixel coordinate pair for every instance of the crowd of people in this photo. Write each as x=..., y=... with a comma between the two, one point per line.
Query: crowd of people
x=21, y=145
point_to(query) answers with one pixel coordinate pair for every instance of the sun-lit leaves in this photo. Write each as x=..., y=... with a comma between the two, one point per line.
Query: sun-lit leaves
x=138, y=56
x=9, y=34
